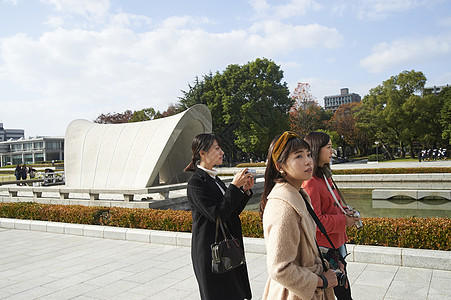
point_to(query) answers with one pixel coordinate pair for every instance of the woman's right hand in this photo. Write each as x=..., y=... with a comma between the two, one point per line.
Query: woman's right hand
x=242, y=178
x=332, y=280
x=350, y=221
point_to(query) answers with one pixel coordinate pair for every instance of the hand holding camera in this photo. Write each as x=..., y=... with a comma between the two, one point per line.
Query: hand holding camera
x=244, y=179
x=353, y=218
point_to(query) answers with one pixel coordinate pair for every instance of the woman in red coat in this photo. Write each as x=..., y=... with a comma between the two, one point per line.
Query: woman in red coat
x=326, y=208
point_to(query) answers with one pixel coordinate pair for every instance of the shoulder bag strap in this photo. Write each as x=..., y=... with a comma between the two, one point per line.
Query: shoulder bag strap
x=316, y=243
x=221, y=224
x=333, y=195
x=317, y=221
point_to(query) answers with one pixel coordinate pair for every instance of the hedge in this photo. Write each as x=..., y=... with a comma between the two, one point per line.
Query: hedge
x=393, y=171
x=413, y=232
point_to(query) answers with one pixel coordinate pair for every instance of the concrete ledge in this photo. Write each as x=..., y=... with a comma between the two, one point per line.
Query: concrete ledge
x=93, y=231
x=74, y=229
x=378, y=255
x=416, y=258
x=138, y=235
x=163, y=237
x=422, y=258
x=115, y=233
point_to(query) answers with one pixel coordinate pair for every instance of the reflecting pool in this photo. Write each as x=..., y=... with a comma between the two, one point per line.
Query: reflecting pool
x=360, y=199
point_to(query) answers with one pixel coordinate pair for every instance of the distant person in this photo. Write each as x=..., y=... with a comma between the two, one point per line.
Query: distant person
x=32, y=172
x=209, y=197
x=24, y=172
x=420, y=154
x=18, y=173
x=295, y=269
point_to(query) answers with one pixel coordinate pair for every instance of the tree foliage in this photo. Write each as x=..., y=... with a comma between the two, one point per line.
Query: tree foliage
x=307, y=118
x=384, y=112
x=344, y=122
x=114, y=118
x=445, y=113
x=249, y=105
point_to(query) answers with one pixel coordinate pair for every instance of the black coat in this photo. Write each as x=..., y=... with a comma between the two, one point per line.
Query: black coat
x=207, y=201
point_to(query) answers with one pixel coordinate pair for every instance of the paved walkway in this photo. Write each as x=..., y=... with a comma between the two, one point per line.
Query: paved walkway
x=43, y=265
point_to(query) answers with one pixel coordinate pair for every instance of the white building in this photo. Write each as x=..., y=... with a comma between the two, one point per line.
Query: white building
x=31, y=150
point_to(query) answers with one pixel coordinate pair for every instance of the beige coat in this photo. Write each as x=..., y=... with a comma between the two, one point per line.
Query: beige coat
x=292, y=257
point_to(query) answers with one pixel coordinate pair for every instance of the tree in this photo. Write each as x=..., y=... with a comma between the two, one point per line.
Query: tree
x=383, y=113
x=172, y=109
x=306, y=119
x=145, y=114
x=344, y=122
x=114, y=118
x=445, y=113
x=249, y=105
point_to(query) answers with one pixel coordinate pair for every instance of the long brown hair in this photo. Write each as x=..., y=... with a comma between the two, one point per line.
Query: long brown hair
x=201, y=142
x=318, y=140
x=272, y=175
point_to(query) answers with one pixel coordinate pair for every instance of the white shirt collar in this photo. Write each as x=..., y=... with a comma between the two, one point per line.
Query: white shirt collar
x=213, y=173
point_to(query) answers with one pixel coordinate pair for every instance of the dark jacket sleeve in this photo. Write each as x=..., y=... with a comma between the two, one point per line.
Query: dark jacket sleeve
x=207, y=198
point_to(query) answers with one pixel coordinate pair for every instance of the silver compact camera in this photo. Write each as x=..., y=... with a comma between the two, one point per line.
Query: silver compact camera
x=356, y=213
x=253, y=172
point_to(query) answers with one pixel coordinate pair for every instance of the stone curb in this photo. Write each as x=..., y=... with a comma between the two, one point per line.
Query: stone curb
x=416, y=258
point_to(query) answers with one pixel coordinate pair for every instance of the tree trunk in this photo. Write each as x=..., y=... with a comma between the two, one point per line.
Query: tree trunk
x=388, y=150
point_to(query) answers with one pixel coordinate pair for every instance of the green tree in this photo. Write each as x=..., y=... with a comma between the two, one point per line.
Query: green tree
x=445, y=113
x=249, y=105
x=145, y=114
x=383, y=113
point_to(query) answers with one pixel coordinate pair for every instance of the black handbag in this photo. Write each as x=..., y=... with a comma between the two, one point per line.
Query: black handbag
x=227, y=254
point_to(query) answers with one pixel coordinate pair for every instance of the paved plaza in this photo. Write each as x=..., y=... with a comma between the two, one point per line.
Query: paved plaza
x=43, y=265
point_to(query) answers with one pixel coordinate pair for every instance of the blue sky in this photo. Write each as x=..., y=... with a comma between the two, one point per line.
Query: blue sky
x=62, y=60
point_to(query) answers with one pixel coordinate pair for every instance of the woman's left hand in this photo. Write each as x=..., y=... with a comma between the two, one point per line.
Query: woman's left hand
x=248, y=185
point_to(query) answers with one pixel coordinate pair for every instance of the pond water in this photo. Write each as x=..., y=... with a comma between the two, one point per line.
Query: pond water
x=360, y=199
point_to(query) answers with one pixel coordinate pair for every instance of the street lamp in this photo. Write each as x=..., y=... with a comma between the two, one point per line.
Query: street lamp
x=377, y=153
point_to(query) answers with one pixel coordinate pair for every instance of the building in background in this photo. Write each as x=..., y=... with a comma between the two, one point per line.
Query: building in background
x=435, y=90
x=333, y=102
x=31, y=150
x=6, y=134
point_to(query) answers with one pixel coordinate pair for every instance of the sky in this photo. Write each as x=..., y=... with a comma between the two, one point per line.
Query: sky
x=62, y=60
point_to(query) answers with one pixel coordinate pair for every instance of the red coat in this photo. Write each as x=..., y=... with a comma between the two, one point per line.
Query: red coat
x=327, y=211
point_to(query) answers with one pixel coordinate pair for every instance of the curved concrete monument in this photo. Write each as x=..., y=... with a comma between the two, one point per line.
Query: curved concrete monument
x=132, y=155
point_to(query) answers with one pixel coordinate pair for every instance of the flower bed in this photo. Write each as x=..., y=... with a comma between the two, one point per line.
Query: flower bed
x=413, y=232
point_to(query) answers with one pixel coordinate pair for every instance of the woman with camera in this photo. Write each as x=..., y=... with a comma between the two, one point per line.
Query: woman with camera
x=209, y=197
x=328, y=203
x=295, y=267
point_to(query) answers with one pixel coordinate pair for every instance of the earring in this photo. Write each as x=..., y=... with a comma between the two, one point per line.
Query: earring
x=282, y=172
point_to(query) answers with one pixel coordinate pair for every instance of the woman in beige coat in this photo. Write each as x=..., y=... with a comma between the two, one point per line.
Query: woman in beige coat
x=294, y=266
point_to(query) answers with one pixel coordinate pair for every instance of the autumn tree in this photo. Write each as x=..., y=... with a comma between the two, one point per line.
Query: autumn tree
x=114, y=118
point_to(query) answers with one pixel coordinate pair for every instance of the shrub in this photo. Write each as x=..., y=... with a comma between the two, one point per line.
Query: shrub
x=393, y=171
x=413, y=232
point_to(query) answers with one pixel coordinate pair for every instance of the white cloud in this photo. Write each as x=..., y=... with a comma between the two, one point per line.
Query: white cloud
x=290, y=9
x=379, y=9
x=407, y=51
x=13, y=2
x=280, y=37
x=91, y=9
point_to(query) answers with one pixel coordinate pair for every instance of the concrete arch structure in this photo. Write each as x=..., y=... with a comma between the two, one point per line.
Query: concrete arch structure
x=132, y=155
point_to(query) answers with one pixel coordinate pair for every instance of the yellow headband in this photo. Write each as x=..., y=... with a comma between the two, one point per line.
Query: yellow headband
x=280, y=144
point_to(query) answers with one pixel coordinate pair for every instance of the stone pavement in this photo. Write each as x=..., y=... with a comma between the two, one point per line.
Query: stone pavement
x=45, y=265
